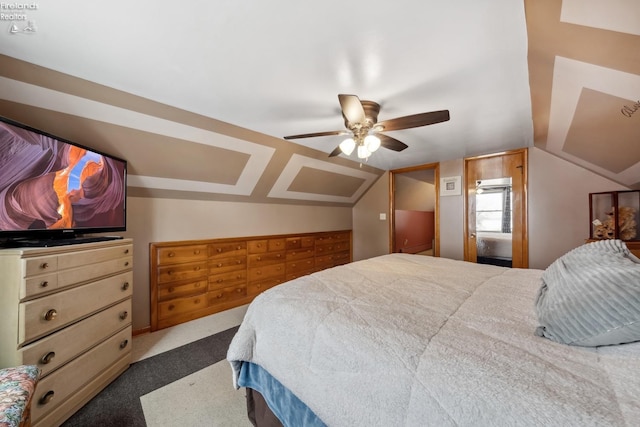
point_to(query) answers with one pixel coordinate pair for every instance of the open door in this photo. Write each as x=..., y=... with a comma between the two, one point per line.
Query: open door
x=414, y=228
x=496, y=209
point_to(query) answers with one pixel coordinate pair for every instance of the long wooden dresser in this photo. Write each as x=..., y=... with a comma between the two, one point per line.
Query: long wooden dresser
x=192, y=279
x=67, y=309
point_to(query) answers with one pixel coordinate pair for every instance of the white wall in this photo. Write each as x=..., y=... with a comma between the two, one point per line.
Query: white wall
x=414, y=195
x=559, y=205
x=370, y=234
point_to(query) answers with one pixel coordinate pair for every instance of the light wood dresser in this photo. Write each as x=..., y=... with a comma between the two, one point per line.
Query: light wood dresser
x=67, y=309
x=195, y=278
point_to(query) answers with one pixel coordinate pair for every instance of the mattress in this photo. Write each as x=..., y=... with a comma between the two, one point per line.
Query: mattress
x=494, y=245
x=408, y=340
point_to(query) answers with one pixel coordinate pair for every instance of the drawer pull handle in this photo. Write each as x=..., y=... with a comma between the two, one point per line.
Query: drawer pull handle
x=46, y=398
x=219, y=250
x=259, y=258
x=126, y=264
x=279, y=256
x=219, y=296
x=219, y=281
x=44, y=284
x=125, y=286
x=47, y=358
x=259, y=245
x=258, y=286
x=239, y=276
x=171, y=307
x=50, y=314
x=219, y=264
x=197, y=285
x=171, y=289
x=196, y=268
x=126, y=251
x=197, y=301
x=124, y=344
x=239, y=290
x=124, y=315
x=196, y=252
x=171, y=254
x=238, y=262
x=44, y=265
x=238, y=247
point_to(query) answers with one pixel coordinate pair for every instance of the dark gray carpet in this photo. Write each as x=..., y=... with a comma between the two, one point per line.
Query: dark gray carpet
x=118, y=405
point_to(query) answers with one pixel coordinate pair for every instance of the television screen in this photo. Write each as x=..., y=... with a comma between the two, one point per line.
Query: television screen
x=53, y=187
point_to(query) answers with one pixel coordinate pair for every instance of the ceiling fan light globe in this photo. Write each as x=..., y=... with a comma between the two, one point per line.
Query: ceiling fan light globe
x=363, y=153
x=347, y=146
x=372, y=143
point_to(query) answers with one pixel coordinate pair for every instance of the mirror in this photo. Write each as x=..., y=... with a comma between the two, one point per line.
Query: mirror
x=494, y=221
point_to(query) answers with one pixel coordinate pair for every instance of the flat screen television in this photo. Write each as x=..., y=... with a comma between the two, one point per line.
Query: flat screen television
x=54, y=191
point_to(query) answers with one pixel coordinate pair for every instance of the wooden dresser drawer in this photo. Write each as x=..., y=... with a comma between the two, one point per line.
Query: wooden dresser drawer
x=302, y=265
x=227, y=249
x=57, y=349
x=179, y=272
x=294, y=255
x=267, y=258
x=231, y=278
x=54, y=389
x=224, y=295
x=171, y=290
x=218, y=266
x=266, y=245
x=255, y=288
x=66, y=307
x=39, y=265
x=266, y=272
x=178, y=306
x=180, y=254
x=300, y=242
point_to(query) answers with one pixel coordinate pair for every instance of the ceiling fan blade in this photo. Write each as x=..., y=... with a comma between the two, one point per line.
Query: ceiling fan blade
x=352, y=109
x=336, y=152
x=415, y=120
x=311, y=135
x=391, y=143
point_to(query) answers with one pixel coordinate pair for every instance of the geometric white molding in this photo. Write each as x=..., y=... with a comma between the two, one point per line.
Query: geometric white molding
x=297, y=162
x=260, y=155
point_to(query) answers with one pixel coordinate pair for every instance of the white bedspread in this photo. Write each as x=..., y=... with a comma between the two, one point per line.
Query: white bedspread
x=409, y=340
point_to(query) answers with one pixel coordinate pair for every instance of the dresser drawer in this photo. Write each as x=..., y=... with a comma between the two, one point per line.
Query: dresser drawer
x=267, y=258
x=171, y=291
x=300, y=242
x=57, y=349
x=220, y=296
x=68, y=306
x=89, y=272
x=231, y=278
x=35, y=285
x=39, y=265
x=224, y=265
x=178, y=272
x=227, y=249
x=178, y=306
x=266, y=272
x=300, y=254
x=181, y=254
x=302, y=265
x=255, y=288
x=54, y=389
x=266, y=245
x=92, y=256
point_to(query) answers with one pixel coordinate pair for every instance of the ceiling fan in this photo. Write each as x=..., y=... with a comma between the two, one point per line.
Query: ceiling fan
x=361, y=121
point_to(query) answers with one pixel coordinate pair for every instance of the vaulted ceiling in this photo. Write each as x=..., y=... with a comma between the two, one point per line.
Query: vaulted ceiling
x=197, y=95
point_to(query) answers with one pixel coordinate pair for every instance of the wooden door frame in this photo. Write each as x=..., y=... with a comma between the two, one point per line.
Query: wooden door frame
x=525, y=198
x=392, y=216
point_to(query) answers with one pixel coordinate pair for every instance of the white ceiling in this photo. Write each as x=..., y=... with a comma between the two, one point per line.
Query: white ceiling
x=277, y=67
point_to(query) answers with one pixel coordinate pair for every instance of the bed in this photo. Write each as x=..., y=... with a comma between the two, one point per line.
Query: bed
x=410, y=340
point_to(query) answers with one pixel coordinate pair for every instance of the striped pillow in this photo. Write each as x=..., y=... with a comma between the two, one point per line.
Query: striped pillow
x=591, y=296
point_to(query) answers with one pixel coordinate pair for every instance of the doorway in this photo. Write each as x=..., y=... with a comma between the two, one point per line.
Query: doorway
x=496, y=209
x=414, y=210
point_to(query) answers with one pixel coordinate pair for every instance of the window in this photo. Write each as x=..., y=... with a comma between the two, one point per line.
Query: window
x=493, y=206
